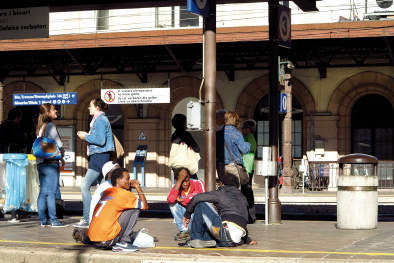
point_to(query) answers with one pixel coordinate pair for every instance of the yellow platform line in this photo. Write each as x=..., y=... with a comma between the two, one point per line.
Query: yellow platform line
x=224, y=249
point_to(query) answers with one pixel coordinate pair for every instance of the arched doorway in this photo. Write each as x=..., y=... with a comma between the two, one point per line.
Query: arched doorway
x=198, y=136
x=372, y=119
x=261, y=115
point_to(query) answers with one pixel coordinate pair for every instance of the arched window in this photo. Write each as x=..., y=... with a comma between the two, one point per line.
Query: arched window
x=372, y=127
x=261, y=115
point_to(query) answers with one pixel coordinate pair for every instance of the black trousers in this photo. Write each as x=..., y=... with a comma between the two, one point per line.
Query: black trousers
x=247, y=191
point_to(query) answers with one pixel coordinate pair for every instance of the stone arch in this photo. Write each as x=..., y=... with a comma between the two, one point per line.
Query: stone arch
x=258, y=88
x=180, y=88
x=79, y=112
x=348, y=93
x=17, y=87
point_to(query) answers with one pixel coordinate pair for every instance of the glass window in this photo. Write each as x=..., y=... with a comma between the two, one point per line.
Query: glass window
x=102, y=20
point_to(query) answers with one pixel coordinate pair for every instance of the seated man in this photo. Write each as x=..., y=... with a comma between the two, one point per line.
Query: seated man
x=107, y=169
x=228, y=225
x=180, y=195
x=116, y=213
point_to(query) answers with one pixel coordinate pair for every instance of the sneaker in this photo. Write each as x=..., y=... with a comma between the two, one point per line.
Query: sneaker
x=124, y=247
x=82, y=224
x=196, y=243
x=57, y=223
x=182, y=236
x=44, y=224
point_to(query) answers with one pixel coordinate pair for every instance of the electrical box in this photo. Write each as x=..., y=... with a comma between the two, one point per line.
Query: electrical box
x=195, y=115
x=319, y=147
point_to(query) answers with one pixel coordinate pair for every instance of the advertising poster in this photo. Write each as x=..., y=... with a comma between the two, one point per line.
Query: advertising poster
x=67, y=135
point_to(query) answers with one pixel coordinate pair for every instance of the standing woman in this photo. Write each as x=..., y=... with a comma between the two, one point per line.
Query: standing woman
x=48, y=169
x=100, y=145
x=235, y=143
x=181, y=135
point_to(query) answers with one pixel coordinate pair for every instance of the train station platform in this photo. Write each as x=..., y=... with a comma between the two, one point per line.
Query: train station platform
x=290, y=241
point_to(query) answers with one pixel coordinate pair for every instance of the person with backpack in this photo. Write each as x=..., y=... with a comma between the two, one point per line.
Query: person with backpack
x=48, y=169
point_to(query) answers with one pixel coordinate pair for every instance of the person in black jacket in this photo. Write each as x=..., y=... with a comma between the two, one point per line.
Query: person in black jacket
x=227, y=226
x=181, y=135
x=12, y=138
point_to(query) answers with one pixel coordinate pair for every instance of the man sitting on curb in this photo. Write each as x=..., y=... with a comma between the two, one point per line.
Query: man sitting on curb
x=228, y=225
x=116, y=213
x=107, y=169
x=180, y=195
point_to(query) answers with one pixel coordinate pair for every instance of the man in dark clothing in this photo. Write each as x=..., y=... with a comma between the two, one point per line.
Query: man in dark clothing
x=227, y=226
x=12, y=138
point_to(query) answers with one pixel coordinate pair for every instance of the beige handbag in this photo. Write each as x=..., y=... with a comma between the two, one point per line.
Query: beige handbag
x=182, y=155
x=119, y=152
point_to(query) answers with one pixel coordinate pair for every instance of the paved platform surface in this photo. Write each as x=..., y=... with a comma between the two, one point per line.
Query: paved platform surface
x=291, y=241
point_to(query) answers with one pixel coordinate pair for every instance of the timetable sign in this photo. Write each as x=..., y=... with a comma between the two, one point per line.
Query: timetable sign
x=30, y=99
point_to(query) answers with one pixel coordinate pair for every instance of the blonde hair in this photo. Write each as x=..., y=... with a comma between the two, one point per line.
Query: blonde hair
x=231, y=118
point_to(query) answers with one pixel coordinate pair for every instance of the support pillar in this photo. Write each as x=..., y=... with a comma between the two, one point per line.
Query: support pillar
x=210, y=97
x=274, y=205
x=287, y=176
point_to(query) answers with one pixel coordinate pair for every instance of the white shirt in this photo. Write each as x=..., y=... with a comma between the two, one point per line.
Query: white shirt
x=96, y=197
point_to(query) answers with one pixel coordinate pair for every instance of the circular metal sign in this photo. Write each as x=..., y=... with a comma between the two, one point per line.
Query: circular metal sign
x=201, y=3
x=284, y=26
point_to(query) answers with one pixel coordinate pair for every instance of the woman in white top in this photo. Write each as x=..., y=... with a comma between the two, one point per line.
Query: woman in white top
x=48, y=169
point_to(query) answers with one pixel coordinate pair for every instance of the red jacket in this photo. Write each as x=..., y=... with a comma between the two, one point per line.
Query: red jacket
x=196, y=187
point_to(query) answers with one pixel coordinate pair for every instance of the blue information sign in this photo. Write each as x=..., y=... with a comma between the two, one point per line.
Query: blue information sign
x=283, y=102
x=199, y=7
x=30, y=99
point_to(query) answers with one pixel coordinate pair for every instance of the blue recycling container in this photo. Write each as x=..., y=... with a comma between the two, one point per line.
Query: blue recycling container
x=15, y=181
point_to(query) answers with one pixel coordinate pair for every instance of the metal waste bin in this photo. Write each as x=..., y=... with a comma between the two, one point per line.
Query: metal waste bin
x=357, y=196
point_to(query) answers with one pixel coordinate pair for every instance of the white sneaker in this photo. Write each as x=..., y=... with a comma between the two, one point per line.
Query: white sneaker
x=82, y=224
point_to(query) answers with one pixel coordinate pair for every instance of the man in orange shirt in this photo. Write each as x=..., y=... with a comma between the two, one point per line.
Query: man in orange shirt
x=116, y=213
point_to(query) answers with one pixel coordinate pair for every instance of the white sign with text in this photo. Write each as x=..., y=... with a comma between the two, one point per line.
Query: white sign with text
x=23, y=23
x=68, y=139
x=136, y=96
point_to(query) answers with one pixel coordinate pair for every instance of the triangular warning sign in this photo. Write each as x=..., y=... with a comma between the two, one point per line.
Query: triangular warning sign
x=142, y=136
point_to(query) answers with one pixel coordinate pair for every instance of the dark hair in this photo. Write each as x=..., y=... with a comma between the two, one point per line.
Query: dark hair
x=111, y=171
x=116, y=174
x=230, y=180
x=178, y=121
x=44, y=118
x=14, y=113
x=178, y=170
x=97, y=102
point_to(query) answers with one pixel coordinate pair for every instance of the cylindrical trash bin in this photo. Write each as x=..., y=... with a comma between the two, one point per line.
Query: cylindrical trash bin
x=357, y=196
x=15, y=181
x=32, y=185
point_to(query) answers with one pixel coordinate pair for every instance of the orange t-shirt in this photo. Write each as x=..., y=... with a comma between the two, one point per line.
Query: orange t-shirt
x=113, y=202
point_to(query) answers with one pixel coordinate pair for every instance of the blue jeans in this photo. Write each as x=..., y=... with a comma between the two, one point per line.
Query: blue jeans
x=90, y=177
x=207, y=223
x=49, y=184
x=177, y=212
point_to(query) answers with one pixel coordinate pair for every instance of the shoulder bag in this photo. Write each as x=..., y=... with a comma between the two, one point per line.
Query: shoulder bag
x=243, y=174
x=46, y=148
x=181, y=155
x=119, y=151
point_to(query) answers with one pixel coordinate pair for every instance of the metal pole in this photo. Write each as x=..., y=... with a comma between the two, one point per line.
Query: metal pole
x=210, y=97
x=274, y=205
x=266, y=199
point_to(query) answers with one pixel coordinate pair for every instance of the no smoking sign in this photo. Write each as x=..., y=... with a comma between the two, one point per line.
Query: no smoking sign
x=109, y=96
x=284, y=26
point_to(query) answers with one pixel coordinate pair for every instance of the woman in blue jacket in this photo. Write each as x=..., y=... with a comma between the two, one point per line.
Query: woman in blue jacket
x=100, y=145
x=235, y=144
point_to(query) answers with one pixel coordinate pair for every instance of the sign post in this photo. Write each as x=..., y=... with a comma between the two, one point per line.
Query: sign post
x=284, y=26
x=140, y=156
x=29, y=99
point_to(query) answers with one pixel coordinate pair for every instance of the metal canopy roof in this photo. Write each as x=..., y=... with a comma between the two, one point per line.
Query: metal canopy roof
x=82, y=5
x=231, y=56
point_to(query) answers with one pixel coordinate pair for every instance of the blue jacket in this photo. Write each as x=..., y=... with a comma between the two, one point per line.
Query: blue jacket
x=235, y=143
x=100, y=138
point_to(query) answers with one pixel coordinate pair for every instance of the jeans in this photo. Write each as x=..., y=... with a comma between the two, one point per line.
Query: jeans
x=49, y=183
x=90, y=177
x=207, y=224
x=178, y=211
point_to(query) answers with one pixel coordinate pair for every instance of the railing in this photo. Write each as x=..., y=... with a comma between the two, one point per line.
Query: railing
x=323, y=175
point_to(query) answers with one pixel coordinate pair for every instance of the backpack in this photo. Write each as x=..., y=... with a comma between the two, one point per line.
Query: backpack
x=81, y=235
